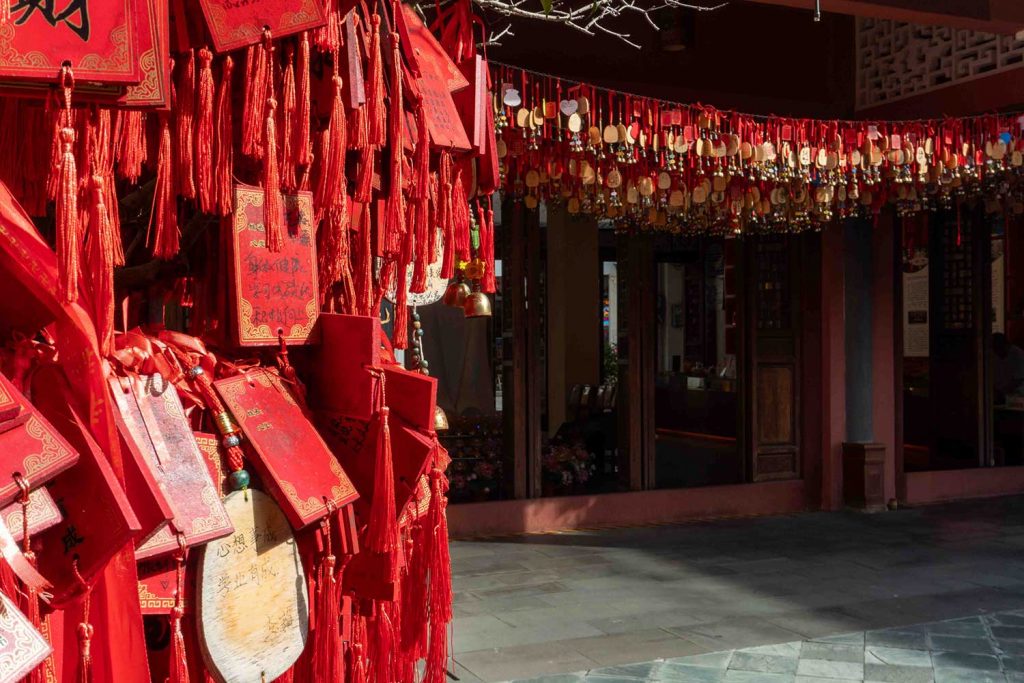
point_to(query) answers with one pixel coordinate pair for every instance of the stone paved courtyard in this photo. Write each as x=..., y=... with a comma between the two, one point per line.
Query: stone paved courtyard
x=982, y=649
x=938, y=591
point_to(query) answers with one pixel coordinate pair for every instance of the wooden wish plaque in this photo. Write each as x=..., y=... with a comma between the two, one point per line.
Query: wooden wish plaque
x=159, y=427
x=235, y=23
x=290, y=456
x=22, y=647
x=99, y=39
x=253, y=605
x=276, y=293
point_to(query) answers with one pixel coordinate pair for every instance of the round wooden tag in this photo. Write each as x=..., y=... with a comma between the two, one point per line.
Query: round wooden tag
x=575, y=122
x=614, y=179
x=611, y=134
x=664, y=181
x=253, y=607
x=583, y=105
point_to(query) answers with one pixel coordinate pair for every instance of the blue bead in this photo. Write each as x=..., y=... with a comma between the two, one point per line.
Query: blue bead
x=240, y=480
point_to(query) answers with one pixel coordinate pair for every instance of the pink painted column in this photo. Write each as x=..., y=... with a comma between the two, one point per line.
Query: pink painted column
x=883, y=344
x=833, y=367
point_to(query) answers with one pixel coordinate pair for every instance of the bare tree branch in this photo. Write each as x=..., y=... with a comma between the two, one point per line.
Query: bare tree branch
x=599, y=16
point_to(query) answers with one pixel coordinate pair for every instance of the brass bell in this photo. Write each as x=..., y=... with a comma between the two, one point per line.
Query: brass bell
x=477, y=305
x=440, y=419
x=456, y=294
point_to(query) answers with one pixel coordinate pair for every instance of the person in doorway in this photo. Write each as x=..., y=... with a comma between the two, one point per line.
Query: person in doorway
x=1007, y=368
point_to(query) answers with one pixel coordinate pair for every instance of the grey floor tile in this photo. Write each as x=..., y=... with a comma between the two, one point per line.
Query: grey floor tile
x=710, y=660
x=681, y=673
x=960, y=644
x=897, y=656
x=826, y=669
x=911, y=640
x=962, y=676
x=832, y=652
x=746, y=661
x=964, y=660
x=884, y=673
x=752, y=677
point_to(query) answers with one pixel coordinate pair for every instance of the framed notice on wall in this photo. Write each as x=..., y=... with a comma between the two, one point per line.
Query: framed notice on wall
x=915, y=303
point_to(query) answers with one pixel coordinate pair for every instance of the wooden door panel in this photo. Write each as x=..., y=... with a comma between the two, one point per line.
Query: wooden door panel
x=776, y=399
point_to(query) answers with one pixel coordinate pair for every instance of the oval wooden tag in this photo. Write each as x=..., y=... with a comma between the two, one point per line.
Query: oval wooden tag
x=253, y=607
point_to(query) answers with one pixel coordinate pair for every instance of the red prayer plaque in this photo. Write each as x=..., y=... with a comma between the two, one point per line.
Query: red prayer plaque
x=158, y=583
x=439, y=77
x=154, y=90
x=342, y=383
x=235, y=24
x=290, y=456
x=274, y=292
x=216, y=460
x=43, y=513
x=164, y=437
x=98, y=38
x=98, y=521
x=29, y=444
x=22, y=647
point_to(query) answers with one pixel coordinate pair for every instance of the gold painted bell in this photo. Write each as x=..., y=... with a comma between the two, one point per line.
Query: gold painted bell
x=440, y=419
x=477, y=305
x=456, y=294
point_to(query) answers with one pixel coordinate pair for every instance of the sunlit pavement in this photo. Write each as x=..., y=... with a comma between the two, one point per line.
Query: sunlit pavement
x=587, y=603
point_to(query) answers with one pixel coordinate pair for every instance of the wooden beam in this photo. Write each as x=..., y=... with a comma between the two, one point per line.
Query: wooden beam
x=992, y=16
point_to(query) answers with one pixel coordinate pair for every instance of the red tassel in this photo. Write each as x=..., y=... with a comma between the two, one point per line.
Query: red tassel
x=225, y=142
x=357, y=651
x=273, y=203
x=382, y=528
x=394, y=210
x=382, y=648
x=332, y=186
x=364, y=265
x=185, y=122
x=489, y=284
x=131, y=150
x=328, y=36
x=445, y=214
x=440, y=580
x=101, y=264
x=328, y=662
x=420, y=222
x=178, y=666
x=69, y=238
x=303, y=142
x=163, y=219
x=204, y=134
x=460, y=217
x=289, y=164
x=257, y=67
x=334, y=255
x=85, y=633
x=375, y=109
x=414, y=593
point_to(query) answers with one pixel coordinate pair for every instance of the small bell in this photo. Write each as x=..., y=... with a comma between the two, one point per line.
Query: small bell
x=440, y=419
x=456, y=294
x=477, y=305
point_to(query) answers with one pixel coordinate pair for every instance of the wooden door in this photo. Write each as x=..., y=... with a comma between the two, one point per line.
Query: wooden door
x=774, y=352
